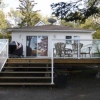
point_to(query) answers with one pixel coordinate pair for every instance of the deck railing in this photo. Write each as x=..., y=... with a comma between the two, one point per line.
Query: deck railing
x=74, y=48
x=3, y=52
x=52, y=66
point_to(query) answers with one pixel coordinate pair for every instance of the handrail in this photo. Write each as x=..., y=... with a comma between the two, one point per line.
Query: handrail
x=3, y=54
x=3, y=47
x=52, y=67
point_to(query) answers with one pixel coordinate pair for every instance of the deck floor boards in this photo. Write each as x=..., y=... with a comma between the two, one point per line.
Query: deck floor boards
x=79, y=62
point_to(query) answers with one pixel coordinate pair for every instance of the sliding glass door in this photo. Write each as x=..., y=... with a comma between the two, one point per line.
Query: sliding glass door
x=37, y=46
x=42, y=46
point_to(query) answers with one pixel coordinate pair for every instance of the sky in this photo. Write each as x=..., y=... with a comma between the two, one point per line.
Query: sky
x=42, y=5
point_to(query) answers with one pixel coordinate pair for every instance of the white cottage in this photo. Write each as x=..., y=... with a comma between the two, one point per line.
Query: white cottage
x=38, y=40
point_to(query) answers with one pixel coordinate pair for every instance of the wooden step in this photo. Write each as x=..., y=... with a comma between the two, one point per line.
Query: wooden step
x=24, y=77
x=22, y=72
x=18, y=63
x=26, y=67
x=29, y=60
x=16, y=83
x=24, y=63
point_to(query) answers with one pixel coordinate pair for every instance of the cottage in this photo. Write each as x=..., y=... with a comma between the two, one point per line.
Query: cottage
x=39, y=40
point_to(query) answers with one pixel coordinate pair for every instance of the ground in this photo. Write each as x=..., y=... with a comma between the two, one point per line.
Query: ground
x=79, y=87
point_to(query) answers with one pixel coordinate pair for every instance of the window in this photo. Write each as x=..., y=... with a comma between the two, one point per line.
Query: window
x=76, y=39
x=37, y=46
x=42, y=46
x=68, y=40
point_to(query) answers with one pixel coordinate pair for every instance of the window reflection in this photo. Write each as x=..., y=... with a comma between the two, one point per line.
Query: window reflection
x=68, y=40
x=37, y=46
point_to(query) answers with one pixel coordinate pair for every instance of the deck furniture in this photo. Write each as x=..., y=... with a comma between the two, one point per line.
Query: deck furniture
x=62, y=50
x=86, y=52
x=95, y=50
x=68, y=50
x=59, y=49
x=76, y=47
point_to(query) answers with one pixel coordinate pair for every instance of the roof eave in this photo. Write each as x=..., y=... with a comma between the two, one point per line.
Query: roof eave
x=32, y=30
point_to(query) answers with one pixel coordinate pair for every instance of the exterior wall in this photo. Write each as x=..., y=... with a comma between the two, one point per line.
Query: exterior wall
x=21, y=38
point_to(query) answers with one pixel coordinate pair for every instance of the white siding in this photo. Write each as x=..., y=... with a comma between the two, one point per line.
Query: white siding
x=21, y=37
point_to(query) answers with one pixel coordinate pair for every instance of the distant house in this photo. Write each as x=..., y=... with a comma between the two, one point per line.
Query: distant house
x=38, y=40
x=40, y=23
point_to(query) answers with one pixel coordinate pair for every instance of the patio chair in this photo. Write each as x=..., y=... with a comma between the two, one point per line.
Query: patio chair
x=59, y=49
x=68, y=50
x=77, y=47
x=86, y=50
x=95, y=50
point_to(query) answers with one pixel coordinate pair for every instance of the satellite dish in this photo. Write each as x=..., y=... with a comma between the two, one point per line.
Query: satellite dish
x=51, y=20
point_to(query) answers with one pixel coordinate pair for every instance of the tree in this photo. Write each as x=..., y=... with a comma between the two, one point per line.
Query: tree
x=3, y=22
x=30, y=17
x=45, y=19
x=89, y=24
x=2, y=5
x=70, y=24
x=15, y=16
x=78, y=10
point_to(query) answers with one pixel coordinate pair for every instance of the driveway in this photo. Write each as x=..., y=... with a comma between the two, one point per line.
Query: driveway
x=80, y=86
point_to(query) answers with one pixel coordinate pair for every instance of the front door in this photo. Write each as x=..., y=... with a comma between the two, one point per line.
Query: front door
x=37, y=46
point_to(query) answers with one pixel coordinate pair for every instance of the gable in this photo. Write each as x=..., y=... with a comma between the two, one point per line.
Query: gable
x=40, y=23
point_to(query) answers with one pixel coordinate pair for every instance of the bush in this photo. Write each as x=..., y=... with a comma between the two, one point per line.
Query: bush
x=7, y=36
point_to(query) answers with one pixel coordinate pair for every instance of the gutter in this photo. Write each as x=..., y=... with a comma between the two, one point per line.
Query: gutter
x=33, y=30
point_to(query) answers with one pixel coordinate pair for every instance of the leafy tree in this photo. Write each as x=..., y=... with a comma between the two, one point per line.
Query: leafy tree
x=70, y=24
x=15, y=16
x=89, y=24
x=97, y=35
x=3, y=22
x=45, y=19
x=78, y=10
x=30, y=17
x=2, y=5
x=3, y=25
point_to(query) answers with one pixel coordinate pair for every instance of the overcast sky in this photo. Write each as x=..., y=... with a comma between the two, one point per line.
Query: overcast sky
x=43, y=5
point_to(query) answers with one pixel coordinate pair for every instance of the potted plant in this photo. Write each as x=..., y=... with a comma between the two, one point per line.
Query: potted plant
x=60, y=78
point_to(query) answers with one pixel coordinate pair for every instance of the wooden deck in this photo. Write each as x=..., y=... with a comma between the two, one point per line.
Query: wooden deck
x=39, y=71
x=71, y=62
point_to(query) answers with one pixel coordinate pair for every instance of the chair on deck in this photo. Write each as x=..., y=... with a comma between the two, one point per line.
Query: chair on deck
x=77, y=47
x=68, y=50
x=86, y=50
x=95, y=50
x=59, y=49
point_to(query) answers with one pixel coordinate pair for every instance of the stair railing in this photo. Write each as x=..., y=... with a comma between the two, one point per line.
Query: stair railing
x=52, y=68
x=3, y=52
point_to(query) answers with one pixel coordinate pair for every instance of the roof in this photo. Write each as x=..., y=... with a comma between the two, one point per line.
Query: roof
x=49, y=28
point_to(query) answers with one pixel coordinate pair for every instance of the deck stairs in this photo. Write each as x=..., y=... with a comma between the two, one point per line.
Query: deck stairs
x=20, y=71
